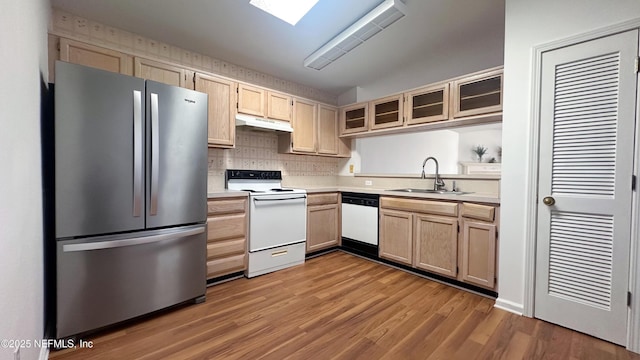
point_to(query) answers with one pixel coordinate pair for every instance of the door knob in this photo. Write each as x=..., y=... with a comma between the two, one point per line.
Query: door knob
x=548, y=200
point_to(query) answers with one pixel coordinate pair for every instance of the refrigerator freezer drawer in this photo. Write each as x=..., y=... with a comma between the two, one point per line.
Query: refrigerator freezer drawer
x=102, y=281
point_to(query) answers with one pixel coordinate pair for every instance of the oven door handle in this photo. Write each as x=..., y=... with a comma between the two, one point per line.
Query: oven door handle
x=281, y=199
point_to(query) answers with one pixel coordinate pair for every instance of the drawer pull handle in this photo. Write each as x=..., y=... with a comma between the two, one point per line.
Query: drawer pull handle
x=279, y=253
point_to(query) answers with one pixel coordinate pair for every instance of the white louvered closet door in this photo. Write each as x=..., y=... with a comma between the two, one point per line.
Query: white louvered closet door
x=587, y=125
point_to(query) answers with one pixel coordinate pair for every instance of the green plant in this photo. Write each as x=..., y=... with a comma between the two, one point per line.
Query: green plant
x=479, y=150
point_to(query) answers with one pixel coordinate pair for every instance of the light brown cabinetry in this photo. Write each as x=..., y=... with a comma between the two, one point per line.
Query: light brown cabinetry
x=226, y=236
x=315, y=131
x=468, y=100
x=354, y=118
x=77, y=52
x=478, y=243
x=221, y=109
x=434, y=236
x=386, y=112
x=478, y=94
x=327, y=130
x=478, y=253
x=457, y=240
x=163, y=73
x=323, y=221
x=436, y=241
x=329, y=142
x=278, y=106
x=251, y=100
x=304, y=126
x=428, y=104
x=422, y=233
x=257, y=101
x=396, y=240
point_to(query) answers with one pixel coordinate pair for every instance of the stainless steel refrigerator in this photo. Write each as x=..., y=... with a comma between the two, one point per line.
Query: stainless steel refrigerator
x=130, y=197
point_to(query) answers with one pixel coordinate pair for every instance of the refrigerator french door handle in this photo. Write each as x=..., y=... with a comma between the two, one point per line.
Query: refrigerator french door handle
x=101, y=245
x=155, y=149
x=137, y=153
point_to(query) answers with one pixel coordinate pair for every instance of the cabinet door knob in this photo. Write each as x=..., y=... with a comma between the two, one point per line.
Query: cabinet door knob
x=548, y=200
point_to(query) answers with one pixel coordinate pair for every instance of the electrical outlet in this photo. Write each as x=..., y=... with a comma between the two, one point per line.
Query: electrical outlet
x=368, y=182
x=16, y=354
x=351, y=168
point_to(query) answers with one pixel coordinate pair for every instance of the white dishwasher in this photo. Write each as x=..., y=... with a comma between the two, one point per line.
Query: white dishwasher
x=360, y=223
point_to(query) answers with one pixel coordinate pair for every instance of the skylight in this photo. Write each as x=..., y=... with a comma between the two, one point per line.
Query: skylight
x=290, y=11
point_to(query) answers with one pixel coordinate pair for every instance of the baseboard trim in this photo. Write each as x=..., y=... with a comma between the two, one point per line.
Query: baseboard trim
x=44, y=353
x=509, y=306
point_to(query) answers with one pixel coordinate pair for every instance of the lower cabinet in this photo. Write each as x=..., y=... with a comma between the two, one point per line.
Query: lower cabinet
x=478, y=252
x=323, y=221
x=436, y=240
x=395, y=239
x=226, y=236
x=456, y=240
x=478, y=244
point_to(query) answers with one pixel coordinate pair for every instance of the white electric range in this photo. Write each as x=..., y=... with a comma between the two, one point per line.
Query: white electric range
x=277, y=220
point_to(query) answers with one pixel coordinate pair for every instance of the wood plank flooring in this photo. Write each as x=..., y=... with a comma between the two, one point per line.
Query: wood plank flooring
x=338, y=306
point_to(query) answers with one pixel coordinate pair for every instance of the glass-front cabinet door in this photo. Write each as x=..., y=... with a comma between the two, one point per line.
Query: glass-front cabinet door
x=387, y=112
x=428, y=104
x=478, y=94
x=353, y=118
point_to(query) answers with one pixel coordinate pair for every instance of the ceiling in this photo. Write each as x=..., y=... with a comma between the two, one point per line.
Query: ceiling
x=237, y=32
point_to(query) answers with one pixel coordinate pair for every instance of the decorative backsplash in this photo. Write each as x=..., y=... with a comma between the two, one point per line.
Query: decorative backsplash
x=259, y=150
x=81, y=29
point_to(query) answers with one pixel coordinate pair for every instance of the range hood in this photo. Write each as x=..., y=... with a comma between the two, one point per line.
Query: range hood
x=262, y=124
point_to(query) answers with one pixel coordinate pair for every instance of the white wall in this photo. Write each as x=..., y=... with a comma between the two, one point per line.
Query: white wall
x=451, y=54
x=491, y=139
x=404, y=153
x=469, y=56
x=530, y=23
x=23, y=50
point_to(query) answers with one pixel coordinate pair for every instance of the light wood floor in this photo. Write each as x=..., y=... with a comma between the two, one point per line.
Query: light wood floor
x=343, y=307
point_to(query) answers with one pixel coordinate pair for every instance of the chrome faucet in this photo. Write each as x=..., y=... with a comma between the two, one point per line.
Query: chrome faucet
x=438, y=184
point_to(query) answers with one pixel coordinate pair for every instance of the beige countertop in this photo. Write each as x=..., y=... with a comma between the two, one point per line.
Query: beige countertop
x=473, y=197
x=222, y=193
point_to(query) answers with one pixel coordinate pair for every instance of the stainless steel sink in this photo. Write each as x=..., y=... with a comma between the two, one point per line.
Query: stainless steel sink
x=431, y=191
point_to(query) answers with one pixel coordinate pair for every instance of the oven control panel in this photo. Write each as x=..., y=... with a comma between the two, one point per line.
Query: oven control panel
x=254, y=174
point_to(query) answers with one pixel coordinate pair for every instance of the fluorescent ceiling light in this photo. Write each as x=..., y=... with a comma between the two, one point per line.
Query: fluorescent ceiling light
x=372, y=23
x=290, y=11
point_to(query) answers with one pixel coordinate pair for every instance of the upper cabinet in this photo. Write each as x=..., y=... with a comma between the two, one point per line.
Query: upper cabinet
x=315, y=131
x=221, y=109
x=386, y=112
x=251, y=100
x=257, y=101
x=354, y=118
x=470, y=100
x=163, y=73
x=316, y=126
x=304, y=126
x=428, y=104
x=479, y=94
x=279, y=106
x=327, y=130
x=94, y=56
